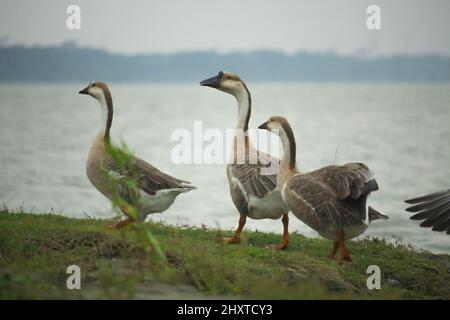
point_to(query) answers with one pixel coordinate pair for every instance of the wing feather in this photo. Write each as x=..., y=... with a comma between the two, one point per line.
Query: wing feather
x=254, y=182
x=351, y=179
x=319, y=201
x=148, y=178
x=434, y=209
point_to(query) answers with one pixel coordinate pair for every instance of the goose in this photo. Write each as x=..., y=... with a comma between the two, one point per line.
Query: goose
x=252, y=186
x=157, y=190
x=331, y=200
x=434, y=208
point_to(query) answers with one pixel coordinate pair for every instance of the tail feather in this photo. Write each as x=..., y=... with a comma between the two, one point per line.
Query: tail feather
x=186, y=188
x=375, y=215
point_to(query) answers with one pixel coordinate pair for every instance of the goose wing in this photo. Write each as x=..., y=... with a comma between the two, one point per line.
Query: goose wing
x=318, y=202
x=251, y=180
x=147, y=178
x=434, y=209
x=351, y=180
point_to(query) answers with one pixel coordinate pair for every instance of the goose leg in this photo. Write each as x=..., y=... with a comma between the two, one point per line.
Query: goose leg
x=236, y=238
x=333, y=251
x=120, y=224
x=284, y=243
x=344, y=253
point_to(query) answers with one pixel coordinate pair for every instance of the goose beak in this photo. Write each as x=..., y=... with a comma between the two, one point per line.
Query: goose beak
x=84, y=91
x=213, y=82
x=263, y=126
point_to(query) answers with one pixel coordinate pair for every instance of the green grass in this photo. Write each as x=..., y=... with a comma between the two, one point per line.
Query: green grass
x=35, y=251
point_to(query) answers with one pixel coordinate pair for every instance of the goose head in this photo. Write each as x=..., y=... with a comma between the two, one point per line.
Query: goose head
x=277, y=125
x=281, y=127
x=97, y=90
x=227, y=82
x=100, y=91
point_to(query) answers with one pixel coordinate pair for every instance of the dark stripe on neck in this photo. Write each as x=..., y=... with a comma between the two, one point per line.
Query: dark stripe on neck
x=292, y=147
x=249, y=111
x=109, y=105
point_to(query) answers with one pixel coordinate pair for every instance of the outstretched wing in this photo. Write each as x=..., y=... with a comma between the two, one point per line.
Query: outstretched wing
x=434, y=209
x=349, y=180
x=252, y=180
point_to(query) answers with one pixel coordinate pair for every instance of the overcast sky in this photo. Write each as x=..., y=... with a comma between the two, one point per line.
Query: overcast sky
x=408, y=26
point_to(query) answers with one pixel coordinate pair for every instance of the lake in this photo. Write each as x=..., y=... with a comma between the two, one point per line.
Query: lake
x=401, y=131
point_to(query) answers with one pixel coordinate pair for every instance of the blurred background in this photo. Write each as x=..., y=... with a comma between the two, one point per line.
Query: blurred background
x=351, y=94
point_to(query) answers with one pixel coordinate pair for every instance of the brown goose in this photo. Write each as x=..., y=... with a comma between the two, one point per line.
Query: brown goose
x=434, y=209
x=331, y=200
x=251, y=174
x=157, y=190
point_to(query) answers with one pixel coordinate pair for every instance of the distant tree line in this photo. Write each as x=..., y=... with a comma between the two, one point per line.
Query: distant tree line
x=70, y=63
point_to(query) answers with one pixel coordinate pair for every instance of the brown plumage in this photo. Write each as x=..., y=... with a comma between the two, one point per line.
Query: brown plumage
x=332, y=197
x=148, y=178
x=254, y=183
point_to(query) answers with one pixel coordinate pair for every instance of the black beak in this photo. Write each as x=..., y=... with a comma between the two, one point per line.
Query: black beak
x=263, y=126
x=213, y=82
x=84, y=91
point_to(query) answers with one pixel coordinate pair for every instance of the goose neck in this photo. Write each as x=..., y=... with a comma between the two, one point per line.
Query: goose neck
x=107, y=114
x=288, y=160
x=244, y=102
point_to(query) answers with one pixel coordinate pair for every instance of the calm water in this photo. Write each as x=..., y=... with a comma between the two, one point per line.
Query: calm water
x=401, y=131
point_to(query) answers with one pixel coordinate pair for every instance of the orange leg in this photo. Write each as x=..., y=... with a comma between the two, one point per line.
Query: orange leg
x=284, y=243
x=120, y=224
x=344, y=253
x=333, y=251
x=236, y=238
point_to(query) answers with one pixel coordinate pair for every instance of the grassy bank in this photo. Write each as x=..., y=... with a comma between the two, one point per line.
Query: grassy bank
x=35, y=251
